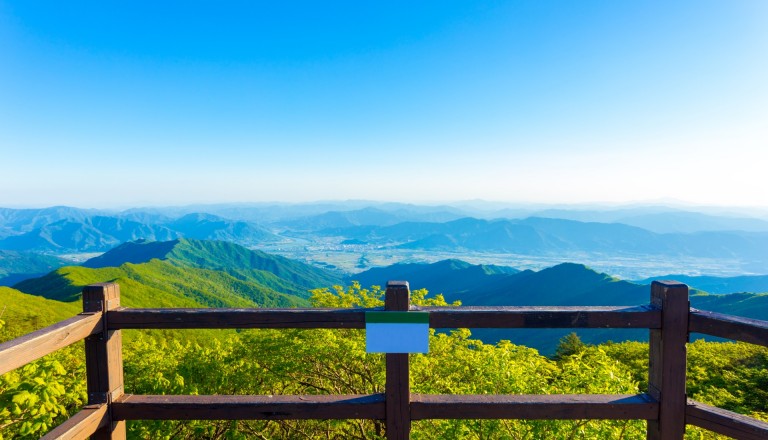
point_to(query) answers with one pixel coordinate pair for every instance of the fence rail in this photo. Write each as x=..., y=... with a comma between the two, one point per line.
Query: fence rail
x=665, y=406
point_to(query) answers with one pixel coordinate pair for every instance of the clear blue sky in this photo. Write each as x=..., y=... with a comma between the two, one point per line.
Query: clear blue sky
x=122, y=103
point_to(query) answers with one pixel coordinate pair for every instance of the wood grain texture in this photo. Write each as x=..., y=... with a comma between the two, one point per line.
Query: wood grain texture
x=25, y=349
x=507, y=406
x=82, y=425
x=667, y=360
x=543, y=317
x=148, y=407
x=104, y=357
x=749, y=330
x=725, y=422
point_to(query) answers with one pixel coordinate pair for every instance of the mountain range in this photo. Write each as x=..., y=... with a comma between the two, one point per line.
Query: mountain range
x=68, y=230
x=401, y=228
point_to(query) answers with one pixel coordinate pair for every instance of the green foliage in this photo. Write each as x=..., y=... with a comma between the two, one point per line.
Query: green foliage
x=41, y=395
x=570, y=344
x=733, y=376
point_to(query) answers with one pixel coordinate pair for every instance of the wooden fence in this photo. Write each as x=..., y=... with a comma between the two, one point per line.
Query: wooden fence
x=665, y=406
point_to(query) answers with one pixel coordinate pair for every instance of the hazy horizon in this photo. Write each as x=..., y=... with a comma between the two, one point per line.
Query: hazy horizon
x=476, y=205
x=551, y=102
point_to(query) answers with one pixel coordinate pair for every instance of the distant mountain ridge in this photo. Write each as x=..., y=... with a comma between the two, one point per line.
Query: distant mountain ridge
x=369, y=216
x=719, y=285
x=17, y=266
x=545, y=236
x=453, y=278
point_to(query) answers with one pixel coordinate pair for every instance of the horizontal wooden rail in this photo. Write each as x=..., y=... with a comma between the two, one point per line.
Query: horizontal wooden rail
x=749, y=330
x=82, y=425
x=725, y=422
x=534, y=406
x=25, y=349
x=423, y=406
x=543, y=317
x=219, y=407
x=440, y=317
x=124, y=318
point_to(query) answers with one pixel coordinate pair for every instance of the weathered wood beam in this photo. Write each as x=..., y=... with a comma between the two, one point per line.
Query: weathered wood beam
x=667, y=360
x=749, y=330
x=104, y=357
x=82, y=425
x=725, y=422
x=124, y=318
x=543, y=317
x=522, y=406
x=148, y=407
x=397, y=387
x=25, y=349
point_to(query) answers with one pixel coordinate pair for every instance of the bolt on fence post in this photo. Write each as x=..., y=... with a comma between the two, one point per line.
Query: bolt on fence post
x=398, y=391
x=667, y=360
x=104, y=357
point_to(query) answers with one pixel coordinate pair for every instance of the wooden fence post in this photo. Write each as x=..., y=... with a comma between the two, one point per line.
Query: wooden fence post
x=104, y=357
x=398, y=390
x=667, y=362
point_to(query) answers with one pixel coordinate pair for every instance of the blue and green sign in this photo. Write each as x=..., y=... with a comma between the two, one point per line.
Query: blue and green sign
x=396, y=332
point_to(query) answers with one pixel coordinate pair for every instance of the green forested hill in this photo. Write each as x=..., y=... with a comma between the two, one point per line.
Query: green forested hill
x=16, y=266
x=480, y=285
x=748, y=305
x=278, y=273
x=566, y=284
x=455, y=279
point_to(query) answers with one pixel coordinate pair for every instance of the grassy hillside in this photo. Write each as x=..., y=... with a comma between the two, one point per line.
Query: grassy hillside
x=161, y=284
x=17, y=266
x=749, y=305
x=23, y=313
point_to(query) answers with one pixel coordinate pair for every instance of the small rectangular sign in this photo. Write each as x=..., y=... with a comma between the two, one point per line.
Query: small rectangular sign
x=397, y=332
